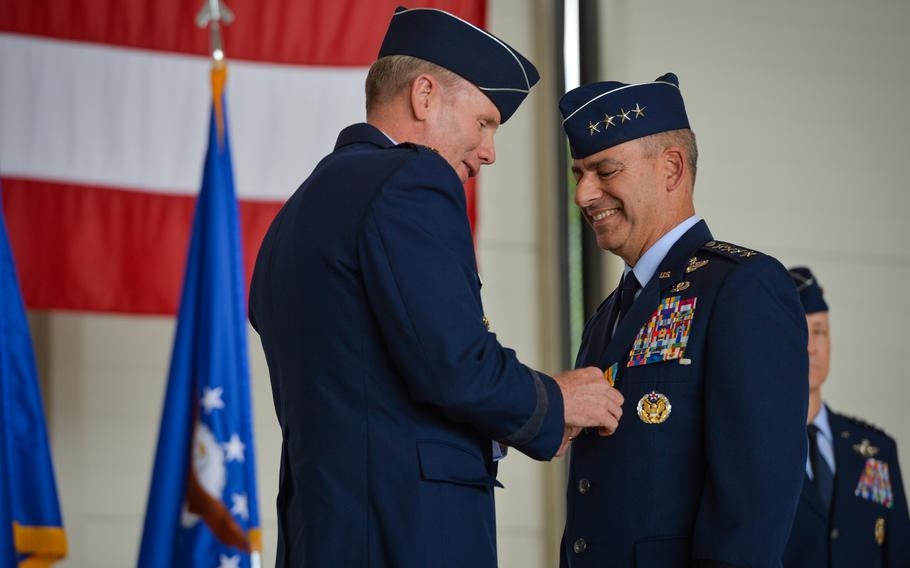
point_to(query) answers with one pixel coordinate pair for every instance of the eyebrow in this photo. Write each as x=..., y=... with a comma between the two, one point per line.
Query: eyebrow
x=606, y=162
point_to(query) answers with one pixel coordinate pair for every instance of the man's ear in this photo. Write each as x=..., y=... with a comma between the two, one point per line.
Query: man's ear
x=424, y=92
x=674, y=167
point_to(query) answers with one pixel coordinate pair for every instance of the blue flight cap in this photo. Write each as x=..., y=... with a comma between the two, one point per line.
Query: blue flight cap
x=602, y=115
x=810, y=293
x=503, y=74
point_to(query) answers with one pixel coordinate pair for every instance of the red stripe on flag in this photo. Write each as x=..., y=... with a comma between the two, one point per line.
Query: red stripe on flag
x=99, y=249
x=295, y=32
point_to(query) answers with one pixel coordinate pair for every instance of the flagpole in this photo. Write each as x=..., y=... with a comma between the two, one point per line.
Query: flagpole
x=212, y=14
x=202, y=498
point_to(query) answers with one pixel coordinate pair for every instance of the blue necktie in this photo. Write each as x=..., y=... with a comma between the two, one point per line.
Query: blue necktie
x=822, y=476
x=630, y=286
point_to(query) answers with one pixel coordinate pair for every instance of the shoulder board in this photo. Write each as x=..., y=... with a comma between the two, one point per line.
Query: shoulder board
x=866, y=425
x=731, y=251
x=416, y=147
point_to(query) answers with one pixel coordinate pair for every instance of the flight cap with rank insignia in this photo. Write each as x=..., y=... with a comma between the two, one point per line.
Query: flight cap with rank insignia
x=810, y=293
x=500, y=72
x=602, y=115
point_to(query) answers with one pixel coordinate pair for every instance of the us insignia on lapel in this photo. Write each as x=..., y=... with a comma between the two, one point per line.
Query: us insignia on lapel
x=875, y=483
x=665, y=335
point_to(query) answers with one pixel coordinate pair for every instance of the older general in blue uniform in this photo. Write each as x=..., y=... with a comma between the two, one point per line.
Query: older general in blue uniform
x=853, y=510
x=389, y=388
x=706, y=341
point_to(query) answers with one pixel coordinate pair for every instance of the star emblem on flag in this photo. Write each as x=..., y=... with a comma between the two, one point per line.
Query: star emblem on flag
x=211, y=399
x=240, y=507
x=233, y=449
x=226, y=561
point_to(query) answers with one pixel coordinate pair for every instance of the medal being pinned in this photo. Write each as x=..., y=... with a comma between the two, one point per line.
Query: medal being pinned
x=610, y=374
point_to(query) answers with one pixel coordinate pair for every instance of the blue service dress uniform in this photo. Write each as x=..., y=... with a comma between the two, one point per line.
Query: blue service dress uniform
x=715, y=480
x=868, y=524
x=387, y=384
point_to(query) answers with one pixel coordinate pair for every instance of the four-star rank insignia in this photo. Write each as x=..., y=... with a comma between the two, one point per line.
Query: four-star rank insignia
x=654, y=408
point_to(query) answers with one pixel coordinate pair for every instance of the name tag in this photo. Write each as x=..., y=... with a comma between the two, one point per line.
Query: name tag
x=665, y=335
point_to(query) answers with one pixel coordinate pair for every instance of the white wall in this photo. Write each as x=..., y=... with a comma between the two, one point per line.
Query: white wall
x=800, y=109
x=517, y=256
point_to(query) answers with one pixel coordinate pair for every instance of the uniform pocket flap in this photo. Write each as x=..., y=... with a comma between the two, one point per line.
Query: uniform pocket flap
x=445, y=461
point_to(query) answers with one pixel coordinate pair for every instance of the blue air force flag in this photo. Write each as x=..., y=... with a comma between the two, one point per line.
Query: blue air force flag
x=31, y=530
x=202, y=506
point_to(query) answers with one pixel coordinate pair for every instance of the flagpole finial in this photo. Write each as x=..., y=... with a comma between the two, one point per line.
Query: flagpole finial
x=213, y=13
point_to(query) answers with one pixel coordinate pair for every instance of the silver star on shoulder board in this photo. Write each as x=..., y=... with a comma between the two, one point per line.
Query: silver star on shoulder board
x=608, y=121
x=639, y=110
x=592, y=127
x=624, y=114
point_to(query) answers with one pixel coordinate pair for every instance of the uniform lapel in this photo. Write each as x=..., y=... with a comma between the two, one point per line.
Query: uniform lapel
x=849, y=463
x=812, y=499
x=647, y=302
x=599, y=335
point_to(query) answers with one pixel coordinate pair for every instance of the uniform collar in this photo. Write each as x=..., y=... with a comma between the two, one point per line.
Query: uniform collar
x=361, y=133
x=647, y=265
x=823, y=424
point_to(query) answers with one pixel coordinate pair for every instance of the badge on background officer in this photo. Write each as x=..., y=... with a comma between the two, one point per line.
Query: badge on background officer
x=706, y=341
x=852, y=509
x=389, y=388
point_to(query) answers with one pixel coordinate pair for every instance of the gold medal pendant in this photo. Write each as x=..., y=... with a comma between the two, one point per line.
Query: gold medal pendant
x=880, y=531
x=654, y=408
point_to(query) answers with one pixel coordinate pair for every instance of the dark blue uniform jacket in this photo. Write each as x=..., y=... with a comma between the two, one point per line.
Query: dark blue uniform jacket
x=860, y=531
x=387, y=384
x=717, y=483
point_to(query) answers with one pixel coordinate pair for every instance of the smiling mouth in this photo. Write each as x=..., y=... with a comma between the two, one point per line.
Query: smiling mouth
x=604, y=214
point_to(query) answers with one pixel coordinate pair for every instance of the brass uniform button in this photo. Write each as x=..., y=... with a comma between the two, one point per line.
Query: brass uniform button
x=834, y=534
x=583, y=486
x=580, y=546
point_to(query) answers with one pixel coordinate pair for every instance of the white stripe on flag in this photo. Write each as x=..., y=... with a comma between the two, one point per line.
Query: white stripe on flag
x=86, y=113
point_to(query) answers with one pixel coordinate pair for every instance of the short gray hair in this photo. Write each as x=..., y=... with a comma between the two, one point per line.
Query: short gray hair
x=390, y=75
x=684, y=138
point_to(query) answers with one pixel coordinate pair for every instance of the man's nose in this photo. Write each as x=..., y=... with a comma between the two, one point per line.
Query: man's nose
x=586, y=191
x=486, y=152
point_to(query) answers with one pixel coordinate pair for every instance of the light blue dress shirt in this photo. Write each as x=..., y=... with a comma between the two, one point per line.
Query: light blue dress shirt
x=825, y=441
x=649, y=262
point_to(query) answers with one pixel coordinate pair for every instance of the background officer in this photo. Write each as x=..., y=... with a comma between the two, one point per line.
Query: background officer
x=387, y=383
x=706, y=341
x=852, y=509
